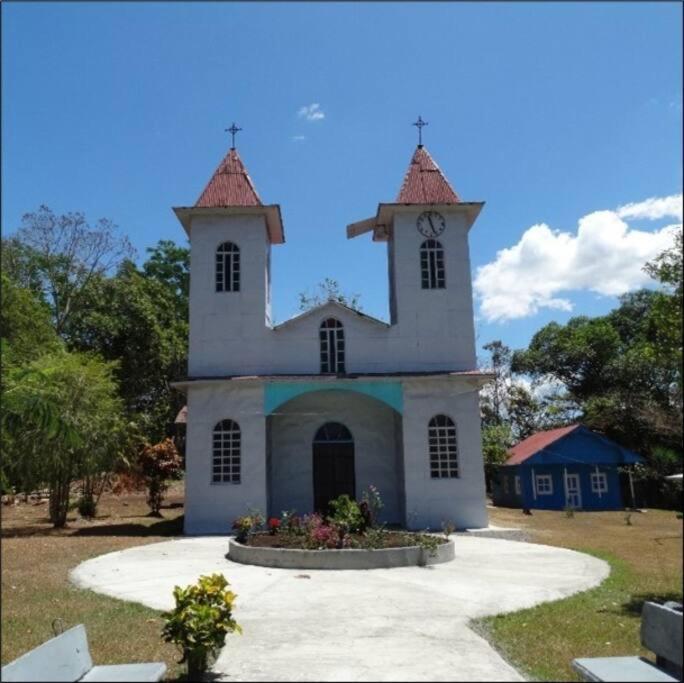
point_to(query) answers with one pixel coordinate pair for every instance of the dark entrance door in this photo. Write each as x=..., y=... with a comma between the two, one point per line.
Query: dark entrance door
x=333, y=465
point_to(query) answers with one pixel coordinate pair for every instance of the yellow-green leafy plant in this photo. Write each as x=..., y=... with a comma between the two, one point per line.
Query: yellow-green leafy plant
x=200, y=622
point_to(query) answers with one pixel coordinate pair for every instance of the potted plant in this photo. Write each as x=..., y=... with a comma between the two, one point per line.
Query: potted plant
x=200, y=622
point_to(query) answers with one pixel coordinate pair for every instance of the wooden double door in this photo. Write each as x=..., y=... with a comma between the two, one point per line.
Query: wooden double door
x=333, y=465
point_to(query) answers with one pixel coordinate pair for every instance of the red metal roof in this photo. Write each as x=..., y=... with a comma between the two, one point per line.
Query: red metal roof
x=425, y=183
x=535, y=443
x=230, y=185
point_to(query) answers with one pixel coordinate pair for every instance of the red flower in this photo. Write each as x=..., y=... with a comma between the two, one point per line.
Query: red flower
x=273, y=524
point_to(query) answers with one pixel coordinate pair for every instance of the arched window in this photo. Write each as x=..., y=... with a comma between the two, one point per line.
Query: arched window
x=432, y=265
x=332, y=346
x=228, y=267
x=226, y=453
x=333, y=432
x=443, y=447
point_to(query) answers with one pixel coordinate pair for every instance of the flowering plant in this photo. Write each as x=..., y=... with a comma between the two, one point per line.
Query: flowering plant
x=372, y=503
x=324, y=536
x=273, y=526
x=242, y=526
x=291, y=522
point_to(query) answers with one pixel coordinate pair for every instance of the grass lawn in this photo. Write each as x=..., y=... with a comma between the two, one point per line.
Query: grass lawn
x=36, y=561
x=646, y=563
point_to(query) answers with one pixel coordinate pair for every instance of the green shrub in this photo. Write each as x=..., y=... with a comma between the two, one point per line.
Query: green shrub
x=87, y=507
x=200, y=621
x=347, y=514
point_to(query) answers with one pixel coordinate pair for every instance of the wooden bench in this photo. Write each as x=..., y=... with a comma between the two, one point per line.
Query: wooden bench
x=67, y=658
x=661, y=632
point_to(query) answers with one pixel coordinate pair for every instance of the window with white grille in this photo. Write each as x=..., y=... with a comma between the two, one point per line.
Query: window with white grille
x=544, y=485
x=332, y=346
x=226, y=453
x=228, y=267
x=599, y=482
x=443, y=447
x=432, y=265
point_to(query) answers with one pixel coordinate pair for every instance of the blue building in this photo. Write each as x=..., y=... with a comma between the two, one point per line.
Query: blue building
x=568, y=467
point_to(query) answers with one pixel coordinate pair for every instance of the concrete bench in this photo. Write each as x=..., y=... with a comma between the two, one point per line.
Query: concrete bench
x=67, y=658
x=661, y=632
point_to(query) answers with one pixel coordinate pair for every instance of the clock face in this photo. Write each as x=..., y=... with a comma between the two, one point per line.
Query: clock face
x=431, y=224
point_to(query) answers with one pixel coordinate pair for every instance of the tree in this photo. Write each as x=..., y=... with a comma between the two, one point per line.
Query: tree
x=494, y=409
x=25, y=326
x=328, y=290
x=525, y=412
x=134, y=319
x=576, y=354
x=170, y=264
x=61, y=254
x=496, y=440
x=666, y=314
x=158, y=464
x=62, y=420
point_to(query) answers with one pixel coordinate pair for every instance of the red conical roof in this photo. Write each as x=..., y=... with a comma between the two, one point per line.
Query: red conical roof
x=425, y=183
x=230, y=185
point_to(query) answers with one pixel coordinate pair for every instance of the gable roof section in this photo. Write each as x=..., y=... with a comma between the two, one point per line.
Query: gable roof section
x=230, y=185
x=330, y=304
x=535, y=443
x=424, y=182
x=572, y=445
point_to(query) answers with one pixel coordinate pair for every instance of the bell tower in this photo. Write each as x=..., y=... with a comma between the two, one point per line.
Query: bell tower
x=430, y=291
x=231, y=232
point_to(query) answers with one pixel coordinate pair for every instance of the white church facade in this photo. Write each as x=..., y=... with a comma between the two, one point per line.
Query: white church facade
x=288, y=416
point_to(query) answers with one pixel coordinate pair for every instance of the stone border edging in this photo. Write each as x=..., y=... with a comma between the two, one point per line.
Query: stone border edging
x=352, y=558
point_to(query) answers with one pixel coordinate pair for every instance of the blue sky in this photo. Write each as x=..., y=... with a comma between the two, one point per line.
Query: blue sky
x=549, y=112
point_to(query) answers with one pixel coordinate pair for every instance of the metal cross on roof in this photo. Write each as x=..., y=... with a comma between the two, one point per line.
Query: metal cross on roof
x=232, y=130
x=419, y=124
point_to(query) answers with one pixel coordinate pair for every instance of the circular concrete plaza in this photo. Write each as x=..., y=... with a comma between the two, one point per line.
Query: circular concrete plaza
x=401, y=624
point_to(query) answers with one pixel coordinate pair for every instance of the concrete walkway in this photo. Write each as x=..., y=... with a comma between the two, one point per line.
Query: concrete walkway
x=405, y=624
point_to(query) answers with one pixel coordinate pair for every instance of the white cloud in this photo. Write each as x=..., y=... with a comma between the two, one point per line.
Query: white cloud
x=653, y=208
x=298, y=138
x=311, y=112
x=605, y=256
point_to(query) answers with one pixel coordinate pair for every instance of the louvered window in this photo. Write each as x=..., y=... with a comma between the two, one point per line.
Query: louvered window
x=228, y=267
x=332, y=346
x=432, y=265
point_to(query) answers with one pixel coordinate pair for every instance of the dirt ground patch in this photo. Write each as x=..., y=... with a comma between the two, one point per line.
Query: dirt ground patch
x=36, y=560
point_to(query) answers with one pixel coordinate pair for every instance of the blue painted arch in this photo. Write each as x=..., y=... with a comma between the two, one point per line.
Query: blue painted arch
x=277, y=393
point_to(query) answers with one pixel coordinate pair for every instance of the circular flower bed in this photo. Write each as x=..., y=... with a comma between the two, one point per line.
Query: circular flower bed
x=349, y=537
x=397, y=549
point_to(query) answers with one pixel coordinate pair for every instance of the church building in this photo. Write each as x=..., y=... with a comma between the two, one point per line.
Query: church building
x=289, y=416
